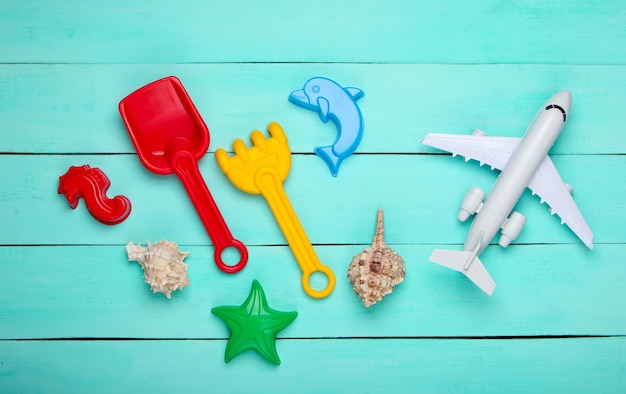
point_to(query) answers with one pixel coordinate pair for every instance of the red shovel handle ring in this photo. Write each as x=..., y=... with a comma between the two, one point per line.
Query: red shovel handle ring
x=243, y=259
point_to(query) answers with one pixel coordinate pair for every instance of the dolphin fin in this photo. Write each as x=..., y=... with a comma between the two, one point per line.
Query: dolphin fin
x=324, y=107
x=328, y=155
x=355, y=93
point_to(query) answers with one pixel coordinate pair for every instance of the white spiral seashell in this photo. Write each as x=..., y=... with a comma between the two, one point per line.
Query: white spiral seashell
x=162, y=264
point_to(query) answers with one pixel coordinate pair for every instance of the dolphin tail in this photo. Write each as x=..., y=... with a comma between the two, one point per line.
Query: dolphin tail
x=328, y=155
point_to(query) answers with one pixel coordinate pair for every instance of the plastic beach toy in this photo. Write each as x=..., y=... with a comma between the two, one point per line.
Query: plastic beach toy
x=262, y=170
x=524, y=163
x=333, y=102
x=170, y=137
x=92, y=184
x=253, y=325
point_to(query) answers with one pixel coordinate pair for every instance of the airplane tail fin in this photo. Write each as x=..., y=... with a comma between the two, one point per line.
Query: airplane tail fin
x=466, y=263
x=328, y=155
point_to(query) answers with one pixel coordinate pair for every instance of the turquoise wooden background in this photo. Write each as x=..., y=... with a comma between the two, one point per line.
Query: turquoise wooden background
x=75, y=316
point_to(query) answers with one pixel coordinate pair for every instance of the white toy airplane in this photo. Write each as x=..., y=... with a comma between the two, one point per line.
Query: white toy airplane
x=524, y=162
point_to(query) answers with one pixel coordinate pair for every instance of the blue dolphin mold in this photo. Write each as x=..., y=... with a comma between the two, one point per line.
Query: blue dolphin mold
x=333, y=102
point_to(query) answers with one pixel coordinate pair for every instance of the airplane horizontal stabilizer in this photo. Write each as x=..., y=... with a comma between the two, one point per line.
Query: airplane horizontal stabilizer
x=460, y=261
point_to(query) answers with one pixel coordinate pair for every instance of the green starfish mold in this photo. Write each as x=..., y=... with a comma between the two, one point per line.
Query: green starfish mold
x=253, y=325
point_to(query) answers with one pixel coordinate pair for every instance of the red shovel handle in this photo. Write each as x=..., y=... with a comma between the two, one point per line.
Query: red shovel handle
x=185, y=166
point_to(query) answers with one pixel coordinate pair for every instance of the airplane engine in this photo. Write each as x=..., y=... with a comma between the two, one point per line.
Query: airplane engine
x=471, y=204
x=511, y=228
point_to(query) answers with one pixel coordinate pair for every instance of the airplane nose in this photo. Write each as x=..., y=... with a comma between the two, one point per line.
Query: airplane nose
x=563, y=101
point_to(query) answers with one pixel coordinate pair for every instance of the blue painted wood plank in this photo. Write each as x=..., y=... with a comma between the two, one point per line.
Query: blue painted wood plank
x=72, y=108
x=543, y=290
x=433, y=31
x=579, y=365
x=419, y=193
x=429, y=66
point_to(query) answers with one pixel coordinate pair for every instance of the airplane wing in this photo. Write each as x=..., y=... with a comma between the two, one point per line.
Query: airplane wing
x=494, y=151
x=547, y=183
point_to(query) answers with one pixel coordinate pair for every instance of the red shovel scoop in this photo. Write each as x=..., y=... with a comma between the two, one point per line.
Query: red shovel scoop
x=170, y=137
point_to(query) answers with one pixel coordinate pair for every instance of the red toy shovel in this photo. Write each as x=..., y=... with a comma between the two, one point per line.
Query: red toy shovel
x=170, y=137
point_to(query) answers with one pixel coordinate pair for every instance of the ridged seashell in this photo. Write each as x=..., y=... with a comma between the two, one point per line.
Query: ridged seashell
x=162, y=264
x=374, y=272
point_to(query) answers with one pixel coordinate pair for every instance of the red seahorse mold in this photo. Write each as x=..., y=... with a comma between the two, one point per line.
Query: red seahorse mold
x=92, y=184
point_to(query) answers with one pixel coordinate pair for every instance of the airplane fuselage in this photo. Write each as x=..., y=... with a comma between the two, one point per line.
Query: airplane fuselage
x=518, y=172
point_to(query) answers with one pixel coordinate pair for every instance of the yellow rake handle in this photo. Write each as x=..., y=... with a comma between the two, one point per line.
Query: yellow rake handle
x=269, y=183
